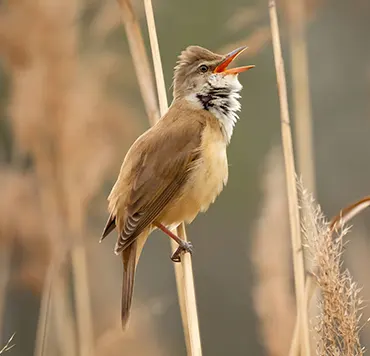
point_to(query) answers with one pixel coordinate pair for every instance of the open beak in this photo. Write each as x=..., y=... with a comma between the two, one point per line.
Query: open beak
x=222, y=67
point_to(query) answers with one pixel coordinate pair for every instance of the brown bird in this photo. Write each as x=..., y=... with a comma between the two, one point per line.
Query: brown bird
x=178, y=167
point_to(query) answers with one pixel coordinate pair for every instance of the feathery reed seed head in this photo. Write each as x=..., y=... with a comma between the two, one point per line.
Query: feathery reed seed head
x=338, y=324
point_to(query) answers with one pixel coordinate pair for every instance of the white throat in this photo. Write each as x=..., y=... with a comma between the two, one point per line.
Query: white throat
x=220, y=97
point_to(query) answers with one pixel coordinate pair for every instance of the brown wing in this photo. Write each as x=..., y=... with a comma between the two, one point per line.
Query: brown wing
x=160, y=173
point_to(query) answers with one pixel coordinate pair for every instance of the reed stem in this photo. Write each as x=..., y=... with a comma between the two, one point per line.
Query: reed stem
x=183, y=271
x=301, y=95
x=5, y=268
x=297, y=248
x=140, y=59
x=187, y=284
x=82, y=299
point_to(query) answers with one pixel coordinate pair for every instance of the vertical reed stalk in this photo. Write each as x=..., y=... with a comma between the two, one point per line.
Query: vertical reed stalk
x=301, y=94
x=54, y=302
x=52, y=298
x=297, y=248
x=82, y=298
x=309, y=293
x=156, y=55
x=63, y=317
x=188, y=288
x=81, y=286
x=5, y=252
x=144, y=76
x=190, y=314
x=302, y=109
x=45, y=307
x=140, y=59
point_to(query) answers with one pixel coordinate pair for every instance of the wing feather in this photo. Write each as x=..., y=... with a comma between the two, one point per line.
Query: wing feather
x=159, y=177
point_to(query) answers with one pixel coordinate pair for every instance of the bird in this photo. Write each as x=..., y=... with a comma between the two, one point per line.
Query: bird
x=179, y=166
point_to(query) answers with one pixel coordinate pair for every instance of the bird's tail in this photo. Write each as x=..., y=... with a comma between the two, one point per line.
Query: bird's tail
x=130, y=258
x=129, y=269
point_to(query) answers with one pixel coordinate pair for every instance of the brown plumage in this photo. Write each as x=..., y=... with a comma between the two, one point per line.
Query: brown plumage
x=178, y=167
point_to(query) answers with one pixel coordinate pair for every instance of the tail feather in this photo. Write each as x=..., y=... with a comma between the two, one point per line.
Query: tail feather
x=129, y=268
x=109, y=227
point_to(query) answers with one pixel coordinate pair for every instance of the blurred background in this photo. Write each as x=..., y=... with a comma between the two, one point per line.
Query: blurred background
x=70, y=107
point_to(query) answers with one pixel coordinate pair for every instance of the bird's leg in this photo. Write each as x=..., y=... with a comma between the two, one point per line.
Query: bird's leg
x=184, y=246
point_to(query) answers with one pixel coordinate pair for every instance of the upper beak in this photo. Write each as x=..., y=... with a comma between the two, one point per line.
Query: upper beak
x=222, y=67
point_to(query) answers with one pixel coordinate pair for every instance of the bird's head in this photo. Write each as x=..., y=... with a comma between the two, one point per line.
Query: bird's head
x=198, y=70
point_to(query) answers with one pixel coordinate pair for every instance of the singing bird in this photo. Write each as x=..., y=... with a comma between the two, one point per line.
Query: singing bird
x=178, y=167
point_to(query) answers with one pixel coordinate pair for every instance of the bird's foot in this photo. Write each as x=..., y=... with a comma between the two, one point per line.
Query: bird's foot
x=185, y=246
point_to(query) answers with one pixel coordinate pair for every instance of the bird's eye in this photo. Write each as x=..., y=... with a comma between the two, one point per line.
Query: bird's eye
x=203, y=68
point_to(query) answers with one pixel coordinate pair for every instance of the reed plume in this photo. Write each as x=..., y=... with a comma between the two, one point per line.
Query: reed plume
x=62, y=118
x=340, y=305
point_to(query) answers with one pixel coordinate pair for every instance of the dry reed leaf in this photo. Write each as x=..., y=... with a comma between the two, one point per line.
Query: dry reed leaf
x=255, y=42
x=311, y=8
x=340, y=305
x=349, y=212
x=248, y=19
x=358, y=260
x=244, y=17
x=273, y=300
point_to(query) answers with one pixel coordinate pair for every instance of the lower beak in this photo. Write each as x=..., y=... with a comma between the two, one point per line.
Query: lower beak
x=222, y=67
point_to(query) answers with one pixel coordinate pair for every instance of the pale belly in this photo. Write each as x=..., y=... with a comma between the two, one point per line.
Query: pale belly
x=202, y=188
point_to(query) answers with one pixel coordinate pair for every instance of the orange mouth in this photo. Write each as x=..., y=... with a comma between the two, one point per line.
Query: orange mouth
x=222, y=67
